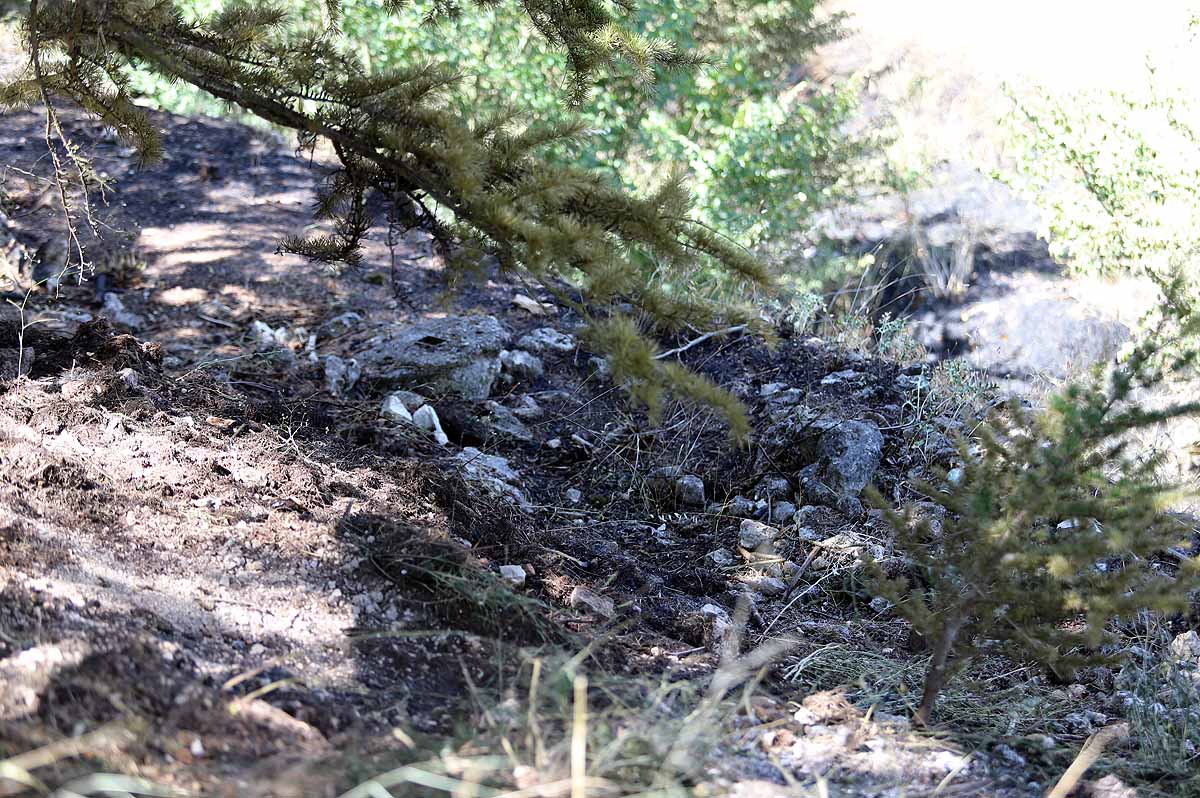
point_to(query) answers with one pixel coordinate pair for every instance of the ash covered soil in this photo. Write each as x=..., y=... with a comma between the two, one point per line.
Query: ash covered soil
x=224, y=569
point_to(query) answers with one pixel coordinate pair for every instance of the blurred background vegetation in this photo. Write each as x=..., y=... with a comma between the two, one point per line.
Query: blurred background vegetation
x=764, y=146
x=795, y=112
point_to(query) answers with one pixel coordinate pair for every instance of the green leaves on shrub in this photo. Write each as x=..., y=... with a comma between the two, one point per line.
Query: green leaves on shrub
x=1052, y=529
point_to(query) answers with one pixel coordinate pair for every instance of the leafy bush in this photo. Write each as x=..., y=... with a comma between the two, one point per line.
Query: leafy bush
x=1051, y=531
x=1117, y=176
x=759, y=159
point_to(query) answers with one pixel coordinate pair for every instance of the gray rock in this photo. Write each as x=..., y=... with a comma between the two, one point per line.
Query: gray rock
x=503, y=423
x=773, y=487
x=1024, y=336
x=740, y=507
x=1110, y=787
x=411, y=401
x=341, y=323
x=717, y=627
x=837, y=377
x=457, y=354
x=528, y=409
x=671, y=484
x=587, y=600
x=880, y=605
x=521, y=364
x=1186, y=647
x=766, y=585
x=786, y=398
x=721, y=557
x=601, y=368
x=130, y=378
x=513, y=574
x=492, y=473
x=753, y=534
x=574, y=495
x=114, y=308
x=809, y=534
x=691, y=491
x=928, y=513
x=848, y=455
x=782, y=512
x=547, y=338
x=340, y=375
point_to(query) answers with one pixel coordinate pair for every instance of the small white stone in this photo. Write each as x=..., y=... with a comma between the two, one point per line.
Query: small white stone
x=515, y=574
x=130, y=378
x=427, y=419
x=393, y=409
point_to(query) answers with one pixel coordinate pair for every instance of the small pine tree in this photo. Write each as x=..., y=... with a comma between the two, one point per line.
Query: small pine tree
x=483, y=187
x=1050, y=533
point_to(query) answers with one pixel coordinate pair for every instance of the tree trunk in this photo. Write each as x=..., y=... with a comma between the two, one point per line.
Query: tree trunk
x=935, y=676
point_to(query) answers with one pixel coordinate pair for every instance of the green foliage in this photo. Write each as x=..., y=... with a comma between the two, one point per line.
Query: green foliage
x=448, y=149
x=759, y=160
x=1051, y=530
x=1117, y=176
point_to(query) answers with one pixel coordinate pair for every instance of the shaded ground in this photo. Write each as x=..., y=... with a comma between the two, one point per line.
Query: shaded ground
x=275, y=591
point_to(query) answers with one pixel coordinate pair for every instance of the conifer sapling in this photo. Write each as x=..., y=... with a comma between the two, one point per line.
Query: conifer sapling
x=1051, y=531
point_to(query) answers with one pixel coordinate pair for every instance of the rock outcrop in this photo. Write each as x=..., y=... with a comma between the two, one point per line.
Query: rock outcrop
x=457, y=355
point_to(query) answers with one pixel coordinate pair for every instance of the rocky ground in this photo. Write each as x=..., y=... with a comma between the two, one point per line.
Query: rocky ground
x=267, y=530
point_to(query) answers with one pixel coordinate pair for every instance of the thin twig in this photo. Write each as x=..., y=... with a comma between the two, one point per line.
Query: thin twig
x=727, y=331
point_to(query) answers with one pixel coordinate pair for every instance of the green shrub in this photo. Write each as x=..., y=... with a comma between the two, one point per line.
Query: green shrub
x=1051, y=531
x=1116, y=175
x=759, y=159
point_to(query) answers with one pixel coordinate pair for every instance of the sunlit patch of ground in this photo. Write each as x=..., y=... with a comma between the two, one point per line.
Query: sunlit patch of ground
x=950, y=60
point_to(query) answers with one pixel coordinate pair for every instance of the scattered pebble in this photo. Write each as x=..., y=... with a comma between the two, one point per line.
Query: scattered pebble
x=427, y=419
x=515, y=574
x=586, y=599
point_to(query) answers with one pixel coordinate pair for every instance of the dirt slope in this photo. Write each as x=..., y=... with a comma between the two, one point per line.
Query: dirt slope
x=268, y=587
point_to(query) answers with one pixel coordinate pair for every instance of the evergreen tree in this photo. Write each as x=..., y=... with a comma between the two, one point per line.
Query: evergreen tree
x=482, y=187
x=1052, y=530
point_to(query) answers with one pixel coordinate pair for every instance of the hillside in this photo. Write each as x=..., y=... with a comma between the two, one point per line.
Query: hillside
x=228, y=571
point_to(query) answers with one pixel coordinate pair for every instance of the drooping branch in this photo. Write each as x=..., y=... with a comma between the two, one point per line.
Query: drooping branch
x=494, y=190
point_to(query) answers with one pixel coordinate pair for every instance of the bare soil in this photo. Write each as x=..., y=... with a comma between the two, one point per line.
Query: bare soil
x=221, y=571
